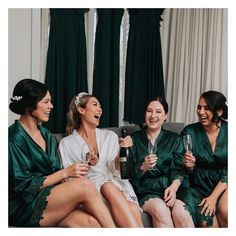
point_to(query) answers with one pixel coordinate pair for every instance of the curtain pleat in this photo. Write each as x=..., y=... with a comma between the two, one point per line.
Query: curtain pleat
x=107, y=64
x=194, y=49
x=144, y=72
x=66, y=69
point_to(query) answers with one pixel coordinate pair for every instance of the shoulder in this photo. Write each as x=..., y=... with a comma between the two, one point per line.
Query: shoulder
x=138, y=134
x=169, y=133
x=224, y=124
x=192, y=127
x=15, y=133
x=105, y=133
x=68, y=139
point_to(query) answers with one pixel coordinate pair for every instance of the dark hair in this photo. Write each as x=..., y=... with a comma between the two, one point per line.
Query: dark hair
x=216, y=101
x=159, y=99
x=26, y=94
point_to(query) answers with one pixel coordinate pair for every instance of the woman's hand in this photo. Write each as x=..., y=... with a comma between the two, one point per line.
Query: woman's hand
x=93, y=158
x=189, y=160
x=149, y=162
x=126, y=142
x=208, y=206
x=76, y=170
x=170, y=193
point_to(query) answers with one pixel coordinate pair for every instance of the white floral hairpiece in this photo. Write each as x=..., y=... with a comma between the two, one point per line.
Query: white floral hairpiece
x=16, y=98
x=78, y=98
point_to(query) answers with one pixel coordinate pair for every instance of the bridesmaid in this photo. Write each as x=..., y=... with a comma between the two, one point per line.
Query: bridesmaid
x=208, y=161
x=159, y=178
x=38, y=192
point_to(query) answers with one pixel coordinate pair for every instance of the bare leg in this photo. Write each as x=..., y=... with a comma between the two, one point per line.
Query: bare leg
x=121, y=210
x=181, y=217
x=222, y=211
x=136, y=212
x=79, y=219
x=160, y=213
x=66, y=197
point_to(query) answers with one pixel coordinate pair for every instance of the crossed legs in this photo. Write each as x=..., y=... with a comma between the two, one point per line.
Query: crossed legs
x=63, y=206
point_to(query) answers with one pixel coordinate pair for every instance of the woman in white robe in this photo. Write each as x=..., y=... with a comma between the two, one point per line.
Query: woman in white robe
x=103, y=145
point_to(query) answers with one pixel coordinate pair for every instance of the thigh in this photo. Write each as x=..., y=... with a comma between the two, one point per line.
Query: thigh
x=156, y=207
x=78, y=218
x=222, y=210
x=111, y=192
x=63, y=199
x=223, y=203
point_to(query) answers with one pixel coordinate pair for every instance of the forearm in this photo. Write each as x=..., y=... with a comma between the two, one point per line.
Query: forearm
x=219, y=189
x=175, y=184
x=54, y=178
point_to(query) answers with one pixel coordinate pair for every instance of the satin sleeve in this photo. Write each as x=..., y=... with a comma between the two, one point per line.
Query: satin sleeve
x=24, y=179
x=178, y=171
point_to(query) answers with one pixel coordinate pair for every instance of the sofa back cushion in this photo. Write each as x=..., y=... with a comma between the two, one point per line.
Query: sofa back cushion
x=172, y=126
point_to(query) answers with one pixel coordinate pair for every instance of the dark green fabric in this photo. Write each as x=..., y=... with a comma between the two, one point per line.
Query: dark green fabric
x=144, y=72
x=153, y=183
x=210, y=167
x=66, y=70
x=28, y=166
x=107, y=64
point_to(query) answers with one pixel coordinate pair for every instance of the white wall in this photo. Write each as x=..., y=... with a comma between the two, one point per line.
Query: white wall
x=23, y=48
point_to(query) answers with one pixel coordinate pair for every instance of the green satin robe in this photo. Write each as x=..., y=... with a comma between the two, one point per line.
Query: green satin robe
x=210, y=167
x=29, y=165
x=153, y=183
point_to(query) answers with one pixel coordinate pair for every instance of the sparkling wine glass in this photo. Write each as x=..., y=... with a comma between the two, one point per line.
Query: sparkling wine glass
x=86, y=153
x=152, y=148
x=187, y=140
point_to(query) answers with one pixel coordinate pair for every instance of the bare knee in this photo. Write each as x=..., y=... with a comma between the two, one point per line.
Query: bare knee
x=160, y=213
x=107, y=189
x=182, y=217
x=83, y=187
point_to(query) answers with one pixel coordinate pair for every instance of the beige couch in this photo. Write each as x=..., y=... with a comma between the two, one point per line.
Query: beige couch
x=172, y=126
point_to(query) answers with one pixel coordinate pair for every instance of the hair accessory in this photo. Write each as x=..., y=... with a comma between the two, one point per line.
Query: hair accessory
x=78, y=98
x=16, y=98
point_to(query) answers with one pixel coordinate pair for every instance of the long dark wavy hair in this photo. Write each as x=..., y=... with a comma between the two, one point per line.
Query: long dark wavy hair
x=216, y=101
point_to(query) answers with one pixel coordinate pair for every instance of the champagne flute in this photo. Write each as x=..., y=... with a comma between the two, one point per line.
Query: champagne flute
x=187, y=140
x=152, y=148
x=86, y=153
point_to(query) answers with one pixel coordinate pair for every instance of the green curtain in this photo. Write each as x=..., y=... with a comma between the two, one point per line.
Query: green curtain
x=66, y=69
x=106, y=64
x=144, y=72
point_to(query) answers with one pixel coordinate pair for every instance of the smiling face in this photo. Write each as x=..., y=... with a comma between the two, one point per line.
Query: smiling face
x=205, y=115
x=43, y=109
x=92, y=112
x=155, y=115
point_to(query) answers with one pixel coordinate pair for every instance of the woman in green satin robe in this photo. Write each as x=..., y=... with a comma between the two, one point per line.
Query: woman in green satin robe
x=39, y=194
x=159, y=178
x=207, y=162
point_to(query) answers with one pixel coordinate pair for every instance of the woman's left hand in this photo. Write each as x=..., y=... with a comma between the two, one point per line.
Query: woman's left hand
x=170, y=196
x=208, y=206
x=126, y=142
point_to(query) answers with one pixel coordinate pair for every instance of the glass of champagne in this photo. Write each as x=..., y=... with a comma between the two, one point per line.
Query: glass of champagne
x=152, y=147
x=86, y=153
x=187, y=140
